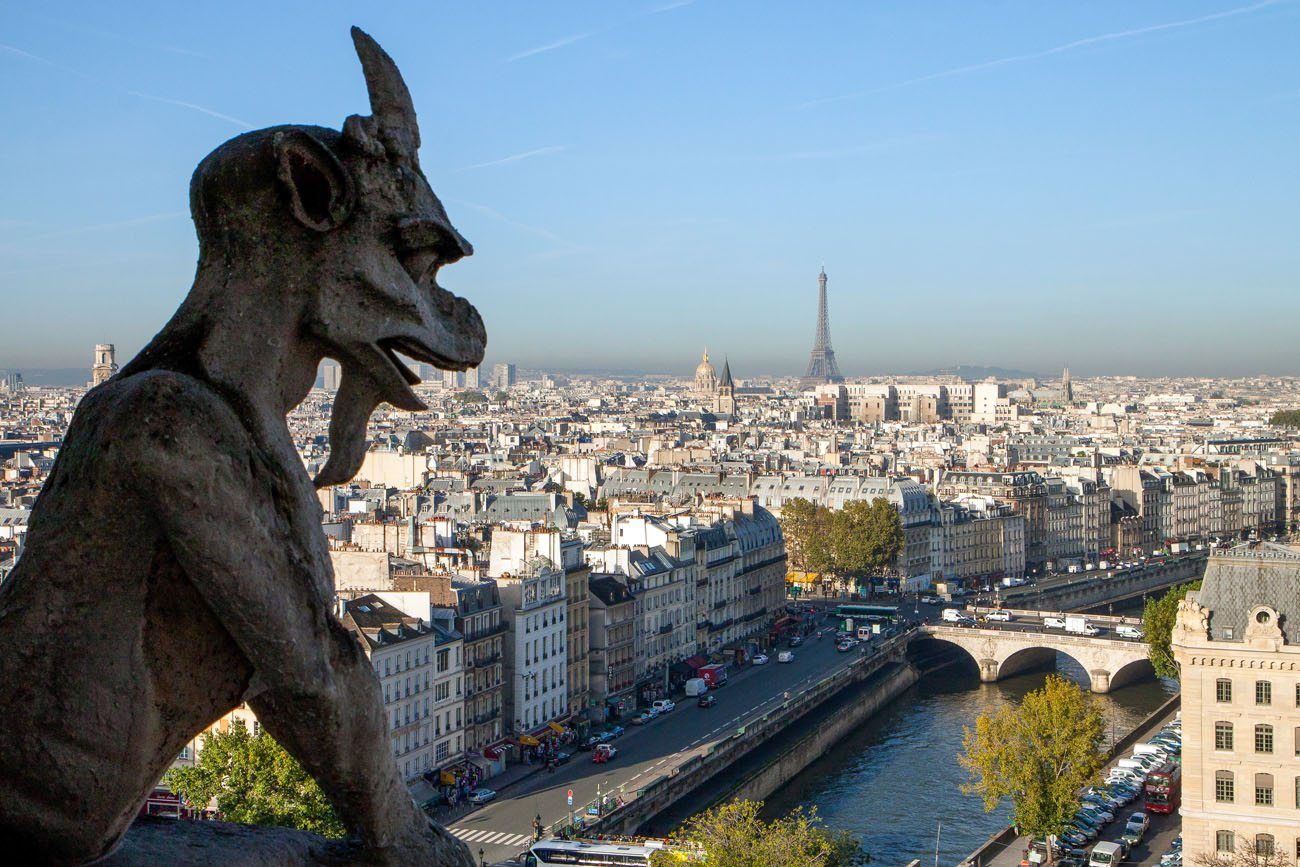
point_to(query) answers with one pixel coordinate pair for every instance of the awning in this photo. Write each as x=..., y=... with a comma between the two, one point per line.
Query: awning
x=529, y=741
x=447, y=778
x=696, y=661
x=480, y=762
x=556, y=727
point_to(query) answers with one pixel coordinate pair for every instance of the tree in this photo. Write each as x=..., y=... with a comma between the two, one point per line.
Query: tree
x=1245, y=852
x=733, y=835
x=807, y=537
x=1038, y=755
x=1158, y=616
x=866, y=538
x=254, y=782
x=1285, y=418
x=470, y=397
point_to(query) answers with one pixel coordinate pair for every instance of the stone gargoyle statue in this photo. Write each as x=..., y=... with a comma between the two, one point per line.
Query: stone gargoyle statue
x=175, y=564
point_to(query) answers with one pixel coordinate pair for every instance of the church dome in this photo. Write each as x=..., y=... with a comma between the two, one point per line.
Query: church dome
x=706, y=378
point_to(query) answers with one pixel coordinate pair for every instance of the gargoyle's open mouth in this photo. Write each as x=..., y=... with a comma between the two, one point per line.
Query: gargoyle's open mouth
x=391, y=346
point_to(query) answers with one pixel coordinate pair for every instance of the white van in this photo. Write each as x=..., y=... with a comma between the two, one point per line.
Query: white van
x=1054, y=622
x=785, y=656
x=1124, y=630
x=952, y=615
x=1105, y=854
x=1001, y=614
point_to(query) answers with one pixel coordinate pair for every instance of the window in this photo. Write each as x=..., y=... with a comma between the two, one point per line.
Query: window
x=442, y=751
x=1297, y=793
x=1263, y=790
x=444, y=659
x=1263, y=739
x=1263, y=692
x=1263, y=846
x=1224, y=788
x=1223, y=735
x=1223, y=690
x=1224, y=841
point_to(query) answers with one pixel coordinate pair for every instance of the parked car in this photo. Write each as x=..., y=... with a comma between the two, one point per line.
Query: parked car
x=640, y=719
x=481, y=796
x=760, y=659
x=785, y=656
x=796, y=641
x=561, y=757
x=664, y=705
x=707, y=701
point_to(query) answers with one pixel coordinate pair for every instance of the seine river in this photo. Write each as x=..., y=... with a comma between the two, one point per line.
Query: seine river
x=895, y=782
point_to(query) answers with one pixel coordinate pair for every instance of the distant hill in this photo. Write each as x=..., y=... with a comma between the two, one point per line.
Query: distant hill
x=975, y=373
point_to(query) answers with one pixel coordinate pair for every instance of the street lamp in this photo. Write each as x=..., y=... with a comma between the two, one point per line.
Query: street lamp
x=480, y=857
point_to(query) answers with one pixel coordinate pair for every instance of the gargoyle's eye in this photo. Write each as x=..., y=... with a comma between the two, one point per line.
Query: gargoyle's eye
x=424, y=246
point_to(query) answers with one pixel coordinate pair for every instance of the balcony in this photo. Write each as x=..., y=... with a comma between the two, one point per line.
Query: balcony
x=754, y=591
x=718, y=606
x=665, y=629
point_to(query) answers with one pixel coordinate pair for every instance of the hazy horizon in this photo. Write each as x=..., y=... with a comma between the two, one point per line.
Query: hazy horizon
x=1109, y=186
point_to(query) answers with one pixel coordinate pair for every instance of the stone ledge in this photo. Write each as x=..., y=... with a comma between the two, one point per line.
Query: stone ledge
x=151, y=841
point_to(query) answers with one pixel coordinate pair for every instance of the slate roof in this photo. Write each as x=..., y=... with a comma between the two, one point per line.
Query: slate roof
x=1256, y=573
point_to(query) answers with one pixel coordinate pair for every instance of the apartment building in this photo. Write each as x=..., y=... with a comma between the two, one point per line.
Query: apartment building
x=1237, y=643
x=420, y=669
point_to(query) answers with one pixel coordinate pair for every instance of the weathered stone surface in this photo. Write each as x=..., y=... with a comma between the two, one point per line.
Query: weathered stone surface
x=222, y=844
x=175, y=563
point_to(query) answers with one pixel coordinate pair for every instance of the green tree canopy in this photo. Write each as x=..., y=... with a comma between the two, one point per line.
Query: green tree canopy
x=470, y=397
x=1037, y=755
x=733, y=835
x=1158, y=616
x=255, y=782
x=1285, y=418
x=866, y=538
x=807, y=536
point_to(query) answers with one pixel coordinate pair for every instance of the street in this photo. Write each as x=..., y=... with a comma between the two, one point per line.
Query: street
x=503, y=828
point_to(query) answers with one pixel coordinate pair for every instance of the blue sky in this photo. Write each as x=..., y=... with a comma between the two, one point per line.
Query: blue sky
x=1112, y=185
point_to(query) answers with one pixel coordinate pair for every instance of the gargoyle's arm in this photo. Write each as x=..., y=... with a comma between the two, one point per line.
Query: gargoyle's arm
x=235, y=519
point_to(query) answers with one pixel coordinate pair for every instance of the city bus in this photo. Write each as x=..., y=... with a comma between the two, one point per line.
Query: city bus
x=601, y=853
x=1164, y=788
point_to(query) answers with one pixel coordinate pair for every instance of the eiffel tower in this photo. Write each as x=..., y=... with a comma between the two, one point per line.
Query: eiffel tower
x=821, y=364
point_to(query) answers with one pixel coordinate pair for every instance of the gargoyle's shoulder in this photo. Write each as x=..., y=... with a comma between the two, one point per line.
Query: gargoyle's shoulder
x=164, y=406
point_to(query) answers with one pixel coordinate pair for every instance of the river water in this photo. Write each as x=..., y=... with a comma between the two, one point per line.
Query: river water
x=894, y=783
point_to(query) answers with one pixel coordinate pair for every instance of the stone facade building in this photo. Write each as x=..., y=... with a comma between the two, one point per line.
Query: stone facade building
x=420, y=666
x=479, y=619
x=1237, y=643
x=613, y=643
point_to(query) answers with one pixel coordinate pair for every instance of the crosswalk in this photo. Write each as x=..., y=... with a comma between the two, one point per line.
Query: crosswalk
x=490, y=838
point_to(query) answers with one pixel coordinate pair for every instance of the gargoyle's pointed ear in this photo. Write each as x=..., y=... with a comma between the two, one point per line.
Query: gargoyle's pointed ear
x=320, y=189
x=390, y=100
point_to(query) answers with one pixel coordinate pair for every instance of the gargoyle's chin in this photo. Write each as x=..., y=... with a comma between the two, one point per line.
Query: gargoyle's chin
x=362, y=389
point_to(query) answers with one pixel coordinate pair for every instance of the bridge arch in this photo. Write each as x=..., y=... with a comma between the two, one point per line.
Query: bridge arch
x=1132, y=671
x=1108, y=663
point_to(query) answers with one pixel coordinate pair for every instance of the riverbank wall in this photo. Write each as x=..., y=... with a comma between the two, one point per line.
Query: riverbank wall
x=776, y=746
x=1007, y=837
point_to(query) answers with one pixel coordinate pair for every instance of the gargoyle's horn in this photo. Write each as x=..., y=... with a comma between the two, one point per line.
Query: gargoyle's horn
x=390, y=101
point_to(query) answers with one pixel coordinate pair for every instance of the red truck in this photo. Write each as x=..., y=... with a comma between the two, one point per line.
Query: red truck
x=714, y=675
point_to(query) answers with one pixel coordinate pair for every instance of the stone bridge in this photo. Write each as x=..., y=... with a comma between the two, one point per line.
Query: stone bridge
x=1002, y=652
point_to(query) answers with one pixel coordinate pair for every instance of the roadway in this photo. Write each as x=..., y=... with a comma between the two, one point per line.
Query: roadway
x=501, y=828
